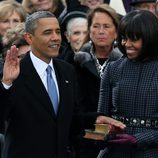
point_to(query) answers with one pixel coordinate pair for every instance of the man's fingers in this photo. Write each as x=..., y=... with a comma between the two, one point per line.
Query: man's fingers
x=117, y=123
x=12, y=54
x=110, y=121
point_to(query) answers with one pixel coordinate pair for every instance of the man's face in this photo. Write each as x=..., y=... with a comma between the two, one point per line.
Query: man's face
x=46, y=40
x=91, y=3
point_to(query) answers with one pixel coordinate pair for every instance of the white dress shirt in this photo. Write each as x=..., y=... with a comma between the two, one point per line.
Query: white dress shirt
x=40, y=67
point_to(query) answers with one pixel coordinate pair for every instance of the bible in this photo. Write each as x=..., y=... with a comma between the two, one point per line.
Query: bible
x=100, y=132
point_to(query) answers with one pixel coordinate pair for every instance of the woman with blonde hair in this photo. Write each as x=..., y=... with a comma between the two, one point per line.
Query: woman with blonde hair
x=35, y=5
x=11, y=13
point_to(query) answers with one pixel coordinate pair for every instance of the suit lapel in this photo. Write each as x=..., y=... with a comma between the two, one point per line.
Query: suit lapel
x=64, y=85
x=35, y=85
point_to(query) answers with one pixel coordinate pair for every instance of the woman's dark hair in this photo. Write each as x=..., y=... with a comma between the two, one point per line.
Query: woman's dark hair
x=140, y=25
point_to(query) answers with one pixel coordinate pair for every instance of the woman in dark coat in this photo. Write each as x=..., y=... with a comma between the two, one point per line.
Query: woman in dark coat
x=129, y=88
x=90, y=64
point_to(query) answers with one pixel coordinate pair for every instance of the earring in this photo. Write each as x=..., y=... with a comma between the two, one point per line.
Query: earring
x=115, y=44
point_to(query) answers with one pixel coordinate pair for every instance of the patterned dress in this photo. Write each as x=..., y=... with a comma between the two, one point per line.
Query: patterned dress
x=130, y=89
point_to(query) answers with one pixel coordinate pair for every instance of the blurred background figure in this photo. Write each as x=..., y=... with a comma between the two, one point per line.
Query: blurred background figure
x=11, y=13
x=55, y=6
x=74, y=29
x=19, y=1
x=121, y=6
x=127, y=5
x=118, y=5
x=14, y=0
x=91, y=3
x=156, y=8
x=71, y=4
x=15, y=36
x=143, y=5
x=90, y=63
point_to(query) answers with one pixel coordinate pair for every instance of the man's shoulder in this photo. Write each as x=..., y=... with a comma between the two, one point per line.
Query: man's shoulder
x=63, y=64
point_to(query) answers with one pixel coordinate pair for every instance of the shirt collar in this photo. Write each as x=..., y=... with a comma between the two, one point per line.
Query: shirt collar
x=39, y=64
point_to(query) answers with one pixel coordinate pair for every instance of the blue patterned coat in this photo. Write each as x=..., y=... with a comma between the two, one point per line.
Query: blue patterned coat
x=130, y=89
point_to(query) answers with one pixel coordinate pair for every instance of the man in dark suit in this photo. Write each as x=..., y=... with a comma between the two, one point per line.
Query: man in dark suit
x=33, y=129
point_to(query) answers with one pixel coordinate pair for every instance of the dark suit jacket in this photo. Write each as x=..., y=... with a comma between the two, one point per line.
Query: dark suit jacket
x=32, y=129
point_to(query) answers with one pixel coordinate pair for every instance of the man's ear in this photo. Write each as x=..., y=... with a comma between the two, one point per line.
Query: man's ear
x=28, y=38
